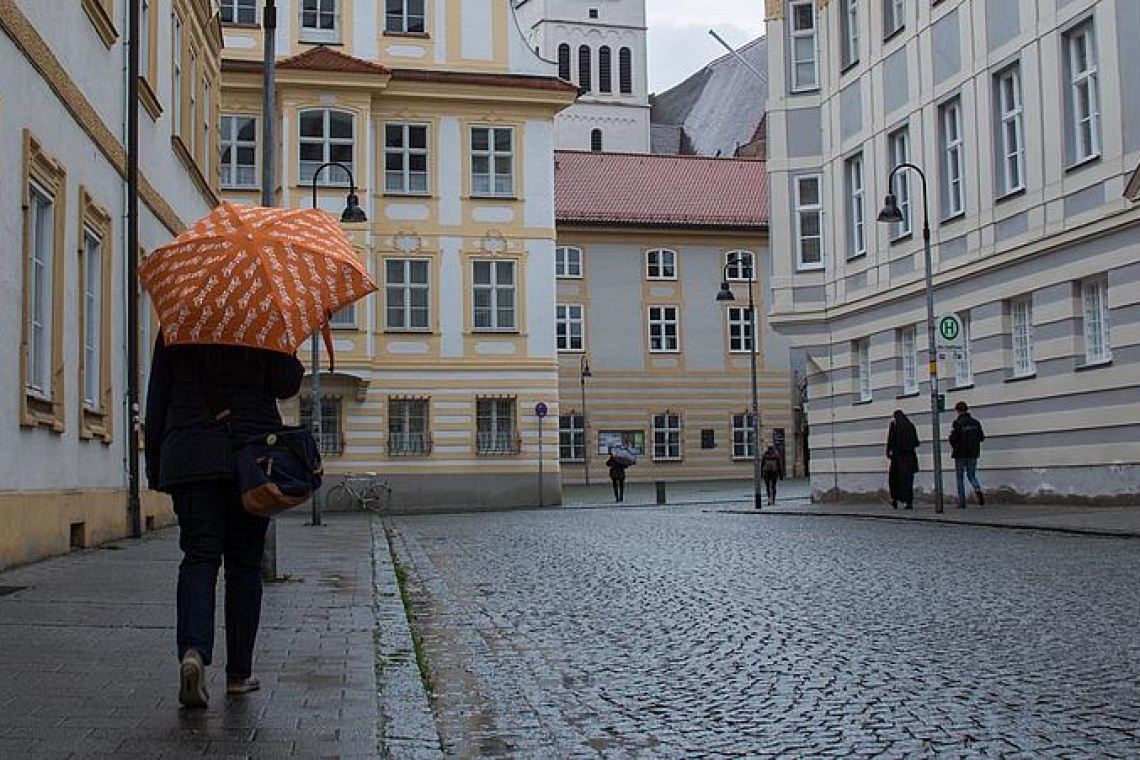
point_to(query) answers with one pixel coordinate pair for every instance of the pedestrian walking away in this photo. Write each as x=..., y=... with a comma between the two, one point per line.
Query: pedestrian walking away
x=902, y=451
x=772, y=469
x=202, y=401
x=966, y=436
x=619, y=460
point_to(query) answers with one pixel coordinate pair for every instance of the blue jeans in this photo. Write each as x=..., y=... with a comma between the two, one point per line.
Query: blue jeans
x=213, y=528
x=966, y=468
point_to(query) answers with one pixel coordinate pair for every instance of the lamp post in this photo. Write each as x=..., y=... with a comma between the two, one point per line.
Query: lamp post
x=891, y=213
x=725, y=294
x=352, y=213
x=584, y=372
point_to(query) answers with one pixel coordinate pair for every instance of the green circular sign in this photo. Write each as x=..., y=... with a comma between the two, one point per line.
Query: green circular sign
x=948, y=328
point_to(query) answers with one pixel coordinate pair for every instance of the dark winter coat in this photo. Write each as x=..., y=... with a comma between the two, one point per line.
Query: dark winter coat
x=966, y=436
x=902, y=442
x=190, y=387
x=617, y=468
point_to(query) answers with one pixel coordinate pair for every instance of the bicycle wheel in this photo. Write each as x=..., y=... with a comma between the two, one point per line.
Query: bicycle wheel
x=339, y=499
x=373, y=497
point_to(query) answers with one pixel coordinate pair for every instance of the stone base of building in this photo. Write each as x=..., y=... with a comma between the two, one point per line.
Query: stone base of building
x=471, y=492
x=36, y=525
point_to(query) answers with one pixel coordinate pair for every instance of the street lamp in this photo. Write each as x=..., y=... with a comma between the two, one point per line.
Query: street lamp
x=584, y=372
x=891, y=213
x=352, y=213
x=725, y=294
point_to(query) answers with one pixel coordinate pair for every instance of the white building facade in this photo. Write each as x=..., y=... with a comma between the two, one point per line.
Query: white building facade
x=1026, y=134
x=600, y=45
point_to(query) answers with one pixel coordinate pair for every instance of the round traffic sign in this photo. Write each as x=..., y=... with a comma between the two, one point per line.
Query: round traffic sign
x=950, y=333
x=540, y=409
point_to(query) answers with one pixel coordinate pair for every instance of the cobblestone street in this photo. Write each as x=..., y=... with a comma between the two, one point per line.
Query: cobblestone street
x=670, y=632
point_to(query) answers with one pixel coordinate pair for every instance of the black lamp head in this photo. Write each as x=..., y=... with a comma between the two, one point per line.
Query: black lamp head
x=586, y=368
x=890, y=211
x=352, y=212
x=725, y=293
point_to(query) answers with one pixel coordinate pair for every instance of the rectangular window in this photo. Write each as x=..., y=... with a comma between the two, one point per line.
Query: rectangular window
x=899, y=150
x=571, y=437
x=493, y=295
x=663, y=329
x=1094, y=309
x=408, y=428
x=406, y=159
x=739, y=329
x=239, y=151
x=661, y=264
x=207, y=143
x=192, y=87
x=92, y=318
x=407, y=293
x=667, y=437
x=802, y=45
x=894, y=16
x=146, y=40
x=963, y=364
x=239, y=11
x=809, y=229
x=953, y=159
x=493, y=161
x=849, y=23
x=41, y=247
x=177, y=86
x=856, y=218
x=320, y=21
x=569, y=325
x=404, y=16
x=1083, y=98
x=495, y=426
x=332, y=437
x=739, y=266
x=326, y=135
x=743, y=437
x=568, y=262
x=1021, y=332
x=95, y=319
x=907, y=339
x=1010, y=132
x=861, y=349
x=344, y=318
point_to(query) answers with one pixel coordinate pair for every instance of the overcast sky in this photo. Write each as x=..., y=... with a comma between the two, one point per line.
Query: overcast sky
x=679, y=39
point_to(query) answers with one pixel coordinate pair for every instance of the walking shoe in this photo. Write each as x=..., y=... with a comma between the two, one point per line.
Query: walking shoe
x=192, y=680
x=894, y=504
x=242, y=685
x=981, y=499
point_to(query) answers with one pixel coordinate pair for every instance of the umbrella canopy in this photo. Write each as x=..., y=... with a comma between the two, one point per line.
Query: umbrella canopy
x=254, y=276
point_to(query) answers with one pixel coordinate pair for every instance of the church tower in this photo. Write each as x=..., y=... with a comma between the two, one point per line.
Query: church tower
x=599, y=45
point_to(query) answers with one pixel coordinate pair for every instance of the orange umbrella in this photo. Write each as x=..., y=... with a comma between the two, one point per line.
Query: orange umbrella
x=254, y=276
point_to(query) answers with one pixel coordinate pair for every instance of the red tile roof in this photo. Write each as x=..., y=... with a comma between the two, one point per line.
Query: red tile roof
x=323, y=58
x=659, y=190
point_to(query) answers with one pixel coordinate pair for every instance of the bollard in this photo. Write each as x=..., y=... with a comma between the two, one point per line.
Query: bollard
x=660, y=492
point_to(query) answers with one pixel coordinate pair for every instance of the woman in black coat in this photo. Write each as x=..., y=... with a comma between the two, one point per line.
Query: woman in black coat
x=902, y=445
x=201, y=402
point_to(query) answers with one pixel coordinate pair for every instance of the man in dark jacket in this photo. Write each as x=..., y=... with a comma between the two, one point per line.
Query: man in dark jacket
x=203, y=401
x=966, y=436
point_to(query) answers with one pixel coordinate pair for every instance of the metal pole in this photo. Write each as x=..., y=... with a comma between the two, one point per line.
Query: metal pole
x=268, y=198
x=134, y=505
x=315, y=406
x=755, y=396
x=540, y=418
x=931, y=353
x=585, y=424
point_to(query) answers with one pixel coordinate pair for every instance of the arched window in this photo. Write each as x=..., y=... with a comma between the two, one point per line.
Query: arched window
x=326, y=135
x=625, y=71
x=564, y=61
x=585, y=75
x=605, y=70
x=596, y=140
x=739, y=266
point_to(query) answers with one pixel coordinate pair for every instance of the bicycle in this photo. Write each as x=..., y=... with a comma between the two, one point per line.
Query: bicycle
x=360, y=491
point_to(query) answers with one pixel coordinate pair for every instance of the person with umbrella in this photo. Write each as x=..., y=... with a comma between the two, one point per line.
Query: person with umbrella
x=236, y=295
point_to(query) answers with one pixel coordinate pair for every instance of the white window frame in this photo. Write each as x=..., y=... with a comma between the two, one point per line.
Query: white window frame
x=568, y=262
x=898, y=145
x=405, y=180
x=493, y=183
x=92, y=320
x=1011, y=131
x=953, y=159
x=862, y=361
x=332, y=422
x=410, y=11
x=233, y=176
x=333, y=176
x=494, y=316
x=740, y=266
x=318, y=11
x=1094, y=316
x=496, y=426
x=344, y=318
x=1021, y=336
x=667, y=437
x=145, y=40
x=193, y=146
x=908, y=359
x=236, y=10
x=176, y=85
x=41, y=250
x=570, y=326
x=409, y=427
x=1084, y=95
x=963, y=364
x=661, y=264
x=572, y=437
x=664, y=335
x=739, y=330
x=207, y=143
x=805, y=211
x=849, y=22
x=894, y=16
x=743, y=436
x=412, y=292
x=797, y=37
x=856, y=207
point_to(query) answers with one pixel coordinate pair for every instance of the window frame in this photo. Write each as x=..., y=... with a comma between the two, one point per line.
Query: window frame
x=863, y=386
x=668, y=438
x=495, y=289
x=406, y=154
x=849, y=34
x=605, y=70
x=572, y=437
x=898, y=151
x=625, y=71
x=585, y=68
x=743, y=436
x=1096, y=330
x=804, y=210
x=660, y=267
x=564, y=264
x=1088, y=81
x=907, y=339
x=1022, y=346
x=964, y=363
x=894, y=17
x=404, y=414
x=564, y=323
x=331, y=177
x=739, y=319
x=491, y=155
x=406, y=14
x=794, y=34
x=659, y=319
x=94, y=376
x=318, y=35
x=1010, y=130
x=736, y=264
x=952, y=142
x=332, y=441
x=228, y=140
x=408, y=288
x=495, y=441
x=236, y=7
x=856, y=206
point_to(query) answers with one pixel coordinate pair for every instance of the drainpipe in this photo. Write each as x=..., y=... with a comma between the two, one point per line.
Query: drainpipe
x=134, y=506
